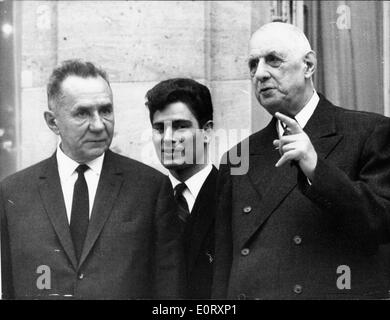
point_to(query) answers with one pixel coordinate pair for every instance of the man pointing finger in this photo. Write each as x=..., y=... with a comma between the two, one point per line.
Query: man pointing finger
x=295, y=146
x=285, y=231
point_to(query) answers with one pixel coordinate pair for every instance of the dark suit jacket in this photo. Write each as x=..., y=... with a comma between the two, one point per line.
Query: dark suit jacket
x=277, y=237
x=131, y=248
x=199, y=241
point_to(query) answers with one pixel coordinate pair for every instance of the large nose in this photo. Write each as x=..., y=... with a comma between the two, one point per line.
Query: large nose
x=262, y=72
x=96, y=122
x=168, y=132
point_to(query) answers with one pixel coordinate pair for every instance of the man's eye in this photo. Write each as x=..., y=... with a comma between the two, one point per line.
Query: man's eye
x=273, y=61
x=158, y=129
x=106, y=111
x=82, y=114
x=180, y=126
x=253, y=65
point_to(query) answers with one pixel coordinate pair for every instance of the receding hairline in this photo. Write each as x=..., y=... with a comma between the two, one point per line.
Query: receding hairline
x=72, y=67
x=55, y=100
x=288, y=31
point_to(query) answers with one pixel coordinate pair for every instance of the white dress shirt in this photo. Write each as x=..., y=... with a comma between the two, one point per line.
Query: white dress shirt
x=68, y=177
x=303, y=116
x=194, y=184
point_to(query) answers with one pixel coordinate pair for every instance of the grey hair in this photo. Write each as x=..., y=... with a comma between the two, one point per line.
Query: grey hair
x=75, y=67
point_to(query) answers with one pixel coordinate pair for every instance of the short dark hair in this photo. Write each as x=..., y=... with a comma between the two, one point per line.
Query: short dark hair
x=73, y=67
x=195, y=95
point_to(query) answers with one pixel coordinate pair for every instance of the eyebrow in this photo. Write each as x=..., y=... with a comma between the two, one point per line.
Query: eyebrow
x=275, y=53
x=106, y=105
x=185, y=121
x=86, y=106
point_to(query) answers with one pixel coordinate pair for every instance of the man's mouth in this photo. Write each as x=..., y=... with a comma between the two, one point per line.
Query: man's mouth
x=171, y=151
x=266, y=89
x=97, y=141
x=167, y=151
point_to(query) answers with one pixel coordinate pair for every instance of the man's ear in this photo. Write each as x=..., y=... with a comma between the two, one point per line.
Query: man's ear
x=310, y=60
x=51, y=121
x=207, y=129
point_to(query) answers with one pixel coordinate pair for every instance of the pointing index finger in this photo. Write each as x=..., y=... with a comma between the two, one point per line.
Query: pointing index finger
x=292, y=124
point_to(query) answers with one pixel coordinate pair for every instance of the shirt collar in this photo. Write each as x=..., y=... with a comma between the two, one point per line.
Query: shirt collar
x=195, y=183
x=67, y=166
x=303, y=116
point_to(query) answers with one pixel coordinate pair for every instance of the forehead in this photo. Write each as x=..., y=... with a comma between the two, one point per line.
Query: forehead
x=88, y=90
x=264, y=43
x=174, y=111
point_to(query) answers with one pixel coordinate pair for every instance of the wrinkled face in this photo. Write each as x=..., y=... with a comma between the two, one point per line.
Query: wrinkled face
x=277, y=72
x=178, y=140
x=85, y=118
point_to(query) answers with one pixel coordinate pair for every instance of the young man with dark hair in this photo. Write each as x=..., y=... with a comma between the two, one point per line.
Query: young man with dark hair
x=181, y=114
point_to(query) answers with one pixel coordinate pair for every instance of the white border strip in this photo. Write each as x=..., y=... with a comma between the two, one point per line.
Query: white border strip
x=386, y=57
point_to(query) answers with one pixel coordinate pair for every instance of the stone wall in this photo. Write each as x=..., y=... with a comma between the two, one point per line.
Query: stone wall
x=139, y=43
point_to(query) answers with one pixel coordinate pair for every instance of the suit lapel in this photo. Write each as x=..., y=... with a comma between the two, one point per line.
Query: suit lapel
x=202, y=217
x=272, y=184
x=322, y=128
x=107, y=192
x=52, y=197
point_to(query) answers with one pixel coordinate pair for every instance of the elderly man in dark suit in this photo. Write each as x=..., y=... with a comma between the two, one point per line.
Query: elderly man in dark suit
x=181, y=114
x=87, y=223
x=308, y=218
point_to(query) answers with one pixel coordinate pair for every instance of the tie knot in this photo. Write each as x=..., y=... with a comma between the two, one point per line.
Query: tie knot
x=180, y=188
x=82, y=168
x=286, y=130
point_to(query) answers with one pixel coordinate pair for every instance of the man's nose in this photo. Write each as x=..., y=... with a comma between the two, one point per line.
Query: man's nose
x=168, y=133
x=96, y=123
x=262, y=72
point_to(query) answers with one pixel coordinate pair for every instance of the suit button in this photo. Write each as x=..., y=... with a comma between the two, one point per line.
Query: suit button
x=245, y=251
x=297, y=240
x=241, y=296
x=81, y=276
x=298, y=289
x=247, y=209
x=210, y=257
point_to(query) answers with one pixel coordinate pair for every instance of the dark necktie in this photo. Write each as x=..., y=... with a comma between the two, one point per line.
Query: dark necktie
x=286, y=131
x=183, y=211
x=79, y=218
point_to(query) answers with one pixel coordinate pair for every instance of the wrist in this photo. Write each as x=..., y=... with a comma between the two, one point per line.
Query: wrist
x=310, y=167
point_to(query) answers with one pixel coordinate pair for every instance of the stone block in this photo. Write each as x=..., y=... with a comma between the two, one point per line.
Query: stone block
x=135, y=40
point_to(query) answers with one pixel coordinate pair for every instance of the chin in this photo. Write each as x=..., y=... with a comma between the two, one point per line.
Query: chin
x=272, y=107
x=174, y=164
x=93, y=154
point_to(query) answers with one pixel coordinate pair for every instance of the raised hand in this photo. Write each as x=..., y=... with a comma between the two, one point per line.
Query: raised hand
x=296, y=146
